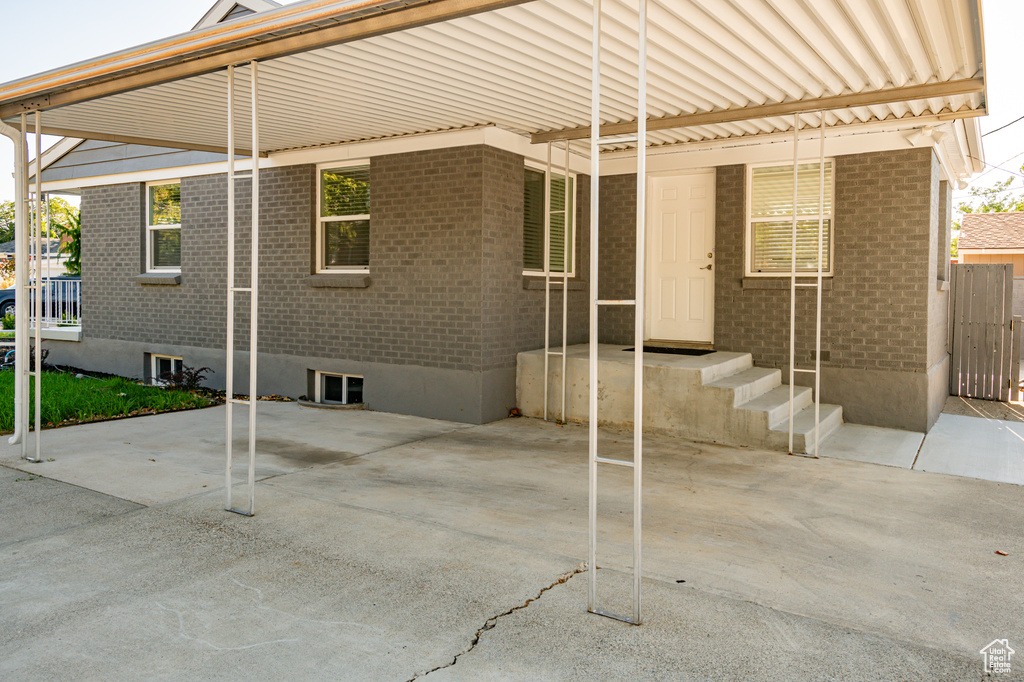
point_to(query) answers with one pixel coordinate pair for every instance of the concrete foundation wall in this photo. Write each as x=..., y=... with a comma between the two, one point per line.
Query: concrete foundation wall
x=456, y=395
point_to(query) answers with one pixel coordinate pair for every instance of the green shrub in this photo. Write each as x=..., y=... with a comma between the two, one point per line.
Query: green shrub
x=8, y=321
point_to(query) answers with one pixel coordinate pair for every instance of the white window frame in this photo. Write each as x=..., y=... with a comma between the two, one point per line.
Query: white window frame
x=748, y=228
x=152, y=228
x=154, y=362
x=318, y=383
x=542, y=168
x=320, y=269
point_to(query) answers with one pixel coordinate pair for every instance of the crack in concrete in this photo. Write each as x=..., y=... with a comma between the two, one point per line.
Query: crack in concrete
x=491, y=622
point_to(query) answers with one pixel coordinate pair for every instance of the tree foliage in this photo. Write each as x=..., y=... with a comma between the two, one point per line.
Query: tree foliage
x=1000, y=197
x=65, y=223
x=61, y=213
x=71, y=243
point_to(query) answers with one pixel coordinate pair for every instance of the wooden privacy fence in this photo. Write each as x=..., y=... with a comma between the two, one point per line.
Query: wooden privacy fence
x=984, y=336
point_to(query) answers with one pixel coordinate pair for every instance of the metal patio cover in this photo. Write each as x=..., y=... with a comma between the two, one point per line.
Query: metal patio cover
x=335, y=71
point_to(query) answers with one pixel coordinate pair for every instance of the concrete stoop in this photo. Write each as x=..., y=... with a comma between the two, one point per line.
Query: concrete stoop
x=717, y=398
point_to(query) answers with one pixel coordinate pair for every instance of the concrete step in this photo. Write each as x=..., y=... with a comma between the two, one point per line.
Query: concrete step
x=776, y=403
x=716, y=398
x=717, y=366
x=749, y=383
x=803, y=427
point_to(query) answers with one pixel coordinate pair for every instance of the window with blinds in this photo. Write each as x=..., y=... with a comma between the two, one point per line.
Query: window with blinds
x=771, y=219
x=343, y=239
x=163, y=227
x=533, y=222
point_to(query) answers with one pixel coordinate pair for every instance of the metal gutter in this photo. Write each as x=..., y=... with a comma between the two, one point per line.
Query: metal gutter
x=266, y=35
x=21, y=304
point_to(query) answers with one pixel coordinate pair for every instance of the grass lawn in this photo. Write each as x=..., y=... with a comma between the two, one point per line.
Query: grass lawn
x=67, y=400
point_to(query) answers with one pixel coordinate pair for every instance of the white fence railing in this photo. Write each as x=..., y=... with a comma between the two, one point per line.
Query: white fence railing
x=62, y=303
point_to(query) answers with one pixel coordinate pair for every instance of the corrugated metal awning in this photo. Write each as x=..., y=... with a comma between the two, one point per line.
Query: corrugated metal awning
x=526, y=68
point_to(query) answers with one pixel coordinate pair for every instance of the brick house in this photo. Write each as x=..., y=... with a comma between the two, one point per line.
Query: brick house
x=417, y=290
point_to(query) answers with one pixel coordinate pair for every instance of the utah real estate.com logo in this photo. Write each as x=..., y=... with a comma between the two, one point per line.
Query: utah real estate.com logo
x=997, y=656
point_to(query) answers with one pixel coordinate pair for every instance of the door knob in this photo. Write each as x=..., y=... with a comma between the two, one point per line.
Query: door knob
x=706, y=267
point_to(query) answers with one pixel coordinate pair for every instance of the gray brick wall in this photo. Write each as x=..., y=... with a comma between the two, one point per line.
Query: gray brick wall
x=445, y=263
x=877, y=314
x=617, y=256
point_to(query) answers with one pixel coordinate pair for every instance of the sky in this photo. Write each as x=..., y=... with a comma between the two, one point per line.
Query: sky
x=73, y=30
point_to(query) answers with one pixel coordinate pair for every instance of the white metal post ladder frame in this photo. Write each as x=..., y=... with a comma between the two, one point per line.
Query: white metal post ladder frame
x=638, y=306
x=30, y=283
x=793, y=286
x=252, y=290
x=549, y=212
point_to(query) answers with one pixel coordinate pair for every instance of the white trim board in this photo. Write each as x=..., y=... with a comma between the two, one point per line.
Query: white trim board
x=350, y=151
x=759, y=149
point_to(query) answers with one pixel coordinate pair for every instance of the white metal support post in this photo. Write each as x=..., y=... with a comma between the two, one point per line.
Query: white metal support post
x=254, y=278
x=547, y=276
x=817, y=328
x=37, y=289
x=252, y=290
x=229, y=369
x=20, y=192
x=638, y=306
x=21, y=284
x=793, y=369
x=568, y=243
x=638, y=330
x=549, y=214
x=595, y=186
x=792, y=281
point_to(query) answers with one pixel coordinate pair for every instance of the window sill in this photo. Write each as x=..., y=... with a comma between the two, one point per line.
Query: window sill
x=783, y=282
x=159, y=278
x=532, y=283
x=339, y=281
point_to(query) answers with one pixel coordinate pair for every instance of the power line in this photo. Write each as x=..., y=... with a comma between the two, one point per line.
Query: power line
x=1005, y=126
x=998, y=166
x=992, y=165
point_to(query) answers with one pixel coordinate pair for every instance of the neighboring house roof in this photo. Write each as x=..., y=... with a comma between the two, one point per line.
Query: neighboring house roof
x=221, y=11
x=992, y=231
x=229, y=10
x=7, y=248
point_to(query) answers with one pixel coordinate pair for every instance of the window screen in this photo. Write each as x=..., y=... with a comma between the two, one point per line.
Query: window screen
x=533, y=221
x=771, y=218
x=164, y=226
x=344, y=221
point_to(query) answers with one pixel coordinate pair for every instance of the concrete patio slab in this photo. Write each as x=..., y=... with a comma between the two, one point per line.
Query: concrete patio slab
x=160, y=458
x=391, y=563
x=991, y=449
x=680, y=641
x=874, y=445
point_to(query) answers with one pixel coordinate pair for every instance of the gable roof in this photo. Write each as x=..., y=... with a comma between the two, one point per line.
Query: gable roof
x=992, y=231
x=229, y=10
x=222, y=10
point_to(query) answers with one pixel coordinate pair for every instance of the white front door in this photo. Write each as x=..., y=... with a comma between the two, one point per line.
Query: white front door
x=680, y=295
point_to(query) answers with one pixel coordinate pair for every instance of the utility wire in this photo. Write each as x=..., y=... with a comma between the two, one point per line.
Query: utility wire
x=997, y=167
x=1005, y=126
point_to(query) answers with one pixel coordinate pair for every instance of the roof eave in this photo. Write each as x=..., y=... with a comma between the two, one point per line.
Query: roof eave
x=266, y=35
